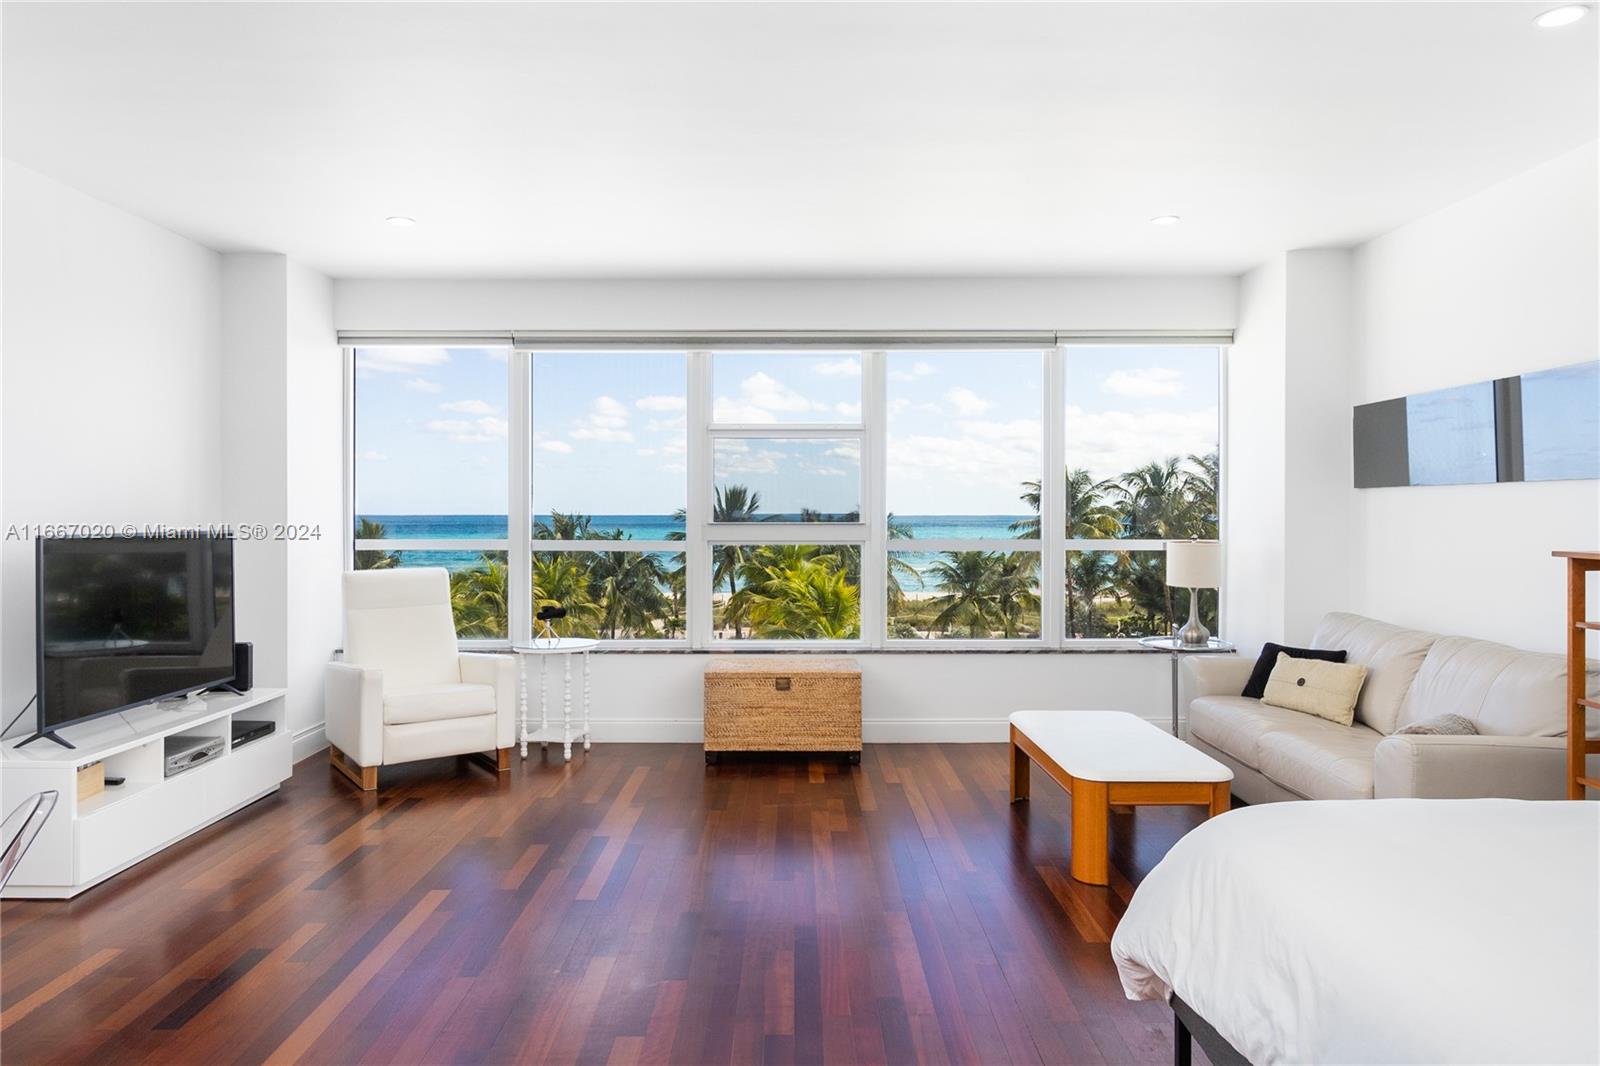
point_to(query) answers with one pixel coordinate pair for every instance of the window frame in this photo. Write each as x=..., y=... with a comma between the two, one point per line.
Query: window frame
x=870, y=534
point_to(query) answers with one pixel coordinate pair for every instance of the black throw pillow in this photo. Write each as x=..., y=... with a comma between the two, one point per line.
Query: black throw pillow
x=1257, y=685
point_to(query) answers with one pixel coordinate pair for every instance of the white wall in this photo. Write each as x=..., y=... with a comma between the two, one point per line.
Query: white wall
x=1253, y=543
x=1199, y=302
x=111, y=409
x=1317, y=454
x=315, y=418
x=906, y=697
x=1496, y=285
x=283, y=447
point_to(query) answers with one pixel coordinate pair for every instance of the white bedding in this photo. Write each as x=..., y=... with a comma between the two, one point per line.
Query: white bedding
x=1402, y=930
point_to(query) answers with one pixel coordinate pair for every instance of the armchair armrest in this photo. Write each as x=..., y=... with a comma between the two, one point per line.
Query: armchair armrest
x=500, y=672
x=1468, y=767
x=1214, y=675
x=353, y=696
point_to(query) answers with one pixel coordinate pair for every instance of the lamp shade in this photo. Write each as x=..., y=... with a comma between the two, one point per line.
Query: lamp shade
x=1194, y=564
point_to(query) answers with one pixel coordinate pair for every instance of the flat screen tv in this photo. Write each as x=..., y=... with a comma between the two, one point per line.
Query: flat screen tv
x=125, y=621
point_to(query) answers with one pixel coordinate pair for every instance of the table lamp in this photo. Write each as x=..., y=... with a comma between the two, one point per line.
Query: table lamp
x=1193, y=565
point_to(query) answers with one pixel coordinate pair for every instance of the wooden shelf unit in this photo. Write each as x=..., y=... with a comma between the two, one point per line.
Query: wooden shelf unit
x=1579, y=747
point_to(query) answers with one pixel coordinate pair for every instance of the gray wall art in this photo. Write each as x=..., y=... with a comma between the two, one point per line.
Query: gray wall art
x=1543, y=426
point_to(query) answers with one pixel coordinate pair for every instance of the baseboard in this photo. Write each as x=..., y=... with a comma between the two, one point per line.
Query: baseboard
x=309, y=741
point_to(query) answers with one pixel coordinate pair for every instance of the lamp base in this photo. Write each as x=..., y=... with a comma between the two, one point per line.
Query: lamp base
x=1193, y=634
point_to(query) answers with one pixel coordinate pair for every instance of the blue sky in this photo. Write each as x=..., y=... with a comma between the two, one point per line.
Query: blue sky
x=610, y=437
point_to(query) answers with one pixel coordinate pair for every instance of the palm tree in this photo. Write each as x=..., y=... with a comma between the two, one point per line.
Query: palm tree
x=969, y=584
x=1203, y=483
x=1088, y=515
x=561, y=580
x=367, y=529
x=627, y=588
x=733, y=503
x=1016, y=584
x=572, y=527
x=789, y=592
x=1091, y=576
x=478, y=599
x=898, y=567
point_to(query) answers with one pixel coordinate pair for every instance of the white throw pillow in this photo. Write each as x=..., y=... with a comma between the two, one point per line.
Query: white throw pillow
x=1313, y=686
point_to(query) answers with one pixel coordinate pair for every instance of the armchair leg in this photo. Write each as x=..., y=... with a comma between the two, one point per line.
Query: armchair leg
x=363, y=777
x=498, y=760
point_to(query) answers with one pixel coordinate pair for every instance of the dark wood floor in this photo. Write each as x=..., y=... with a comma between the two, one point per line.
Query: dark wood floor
x=635, y=906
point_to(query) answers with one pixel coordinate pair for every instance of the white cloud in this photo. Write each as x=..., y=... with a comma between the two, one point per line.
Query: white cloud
x=851, y=411
x=606, y=422
x=400, y=360
x=559, y=447
x=423, y=385
x=762, y=398
x=848, y=450
x=1143, y=383
x=468, y=407
x=734, y=456
x=483, y=430
x=981, y=455
x=967, y=403
x=838, y=368
x=661, y=403
x=919, y=369
x=371, y=456
x=1108, y=443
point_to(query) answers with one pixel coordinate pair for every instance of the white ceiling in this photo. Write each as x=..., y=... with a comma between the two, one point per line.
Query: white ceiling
x=805, y=140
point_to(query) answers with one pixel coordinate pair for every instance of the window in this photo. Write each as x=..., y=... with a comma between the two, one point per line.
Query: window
x=965, y=451
x=786, y=440
x=741, y=497
x=429, y=472
x=1142, y=467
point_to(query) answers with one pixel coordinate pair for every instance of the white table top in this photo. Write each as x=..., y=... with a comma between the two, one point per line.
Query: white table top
x=1115, y=746
x=559, y=646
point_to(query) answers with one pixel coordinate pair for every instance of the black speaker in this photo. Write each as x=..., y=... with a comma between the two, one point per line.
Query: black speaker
x=243, y=665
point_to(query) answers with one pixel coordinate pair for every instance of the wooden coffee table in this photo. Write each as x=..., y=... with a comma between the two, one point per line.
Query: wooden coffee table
x=1111, y=757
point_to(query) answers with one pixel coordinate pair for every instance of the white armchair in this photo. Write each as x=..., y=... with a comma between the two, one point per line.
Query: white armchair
x=404, y=691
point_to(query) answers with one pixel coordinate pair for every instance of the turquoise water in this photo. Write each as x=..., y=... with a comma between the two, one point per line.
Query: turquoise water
x=657, y=527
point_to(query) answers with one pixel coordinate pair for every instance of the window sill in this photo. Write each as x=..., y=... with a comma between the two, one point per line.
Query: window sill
x=1086, y=647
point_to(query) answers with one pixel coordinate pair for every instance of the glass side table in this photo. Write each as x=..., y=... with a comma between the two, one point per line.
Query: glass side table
x=567, y=731
x=1214, y=646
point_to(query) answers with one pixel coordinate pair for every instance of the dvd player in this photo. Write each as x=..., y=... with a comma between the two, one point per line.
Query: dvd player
x=186, y=752
x=246, y=730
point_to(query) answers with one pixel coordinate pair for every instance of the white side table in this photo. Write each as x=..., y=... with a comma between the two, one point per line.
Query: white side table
x=1177, y=648
x=566, y=648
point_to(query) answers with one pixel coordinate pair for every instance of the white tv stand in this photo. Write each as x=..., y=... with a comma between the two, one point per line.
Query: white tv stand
x=84, y=842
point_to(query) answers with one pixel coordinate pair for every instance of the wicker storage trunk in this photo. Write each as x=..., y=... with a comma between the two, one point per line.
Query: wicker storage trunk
x=795, y=703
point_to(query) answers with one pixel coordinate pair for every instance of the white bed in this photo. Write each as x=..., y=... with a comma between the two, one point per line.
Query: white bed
x=1439, y=931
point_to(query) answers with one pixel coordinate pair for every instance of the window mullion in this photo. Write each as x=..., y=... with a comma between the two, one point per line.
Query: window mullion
x=697, y=549
x=519, y=561
x=874, y=505
x=1052, y=502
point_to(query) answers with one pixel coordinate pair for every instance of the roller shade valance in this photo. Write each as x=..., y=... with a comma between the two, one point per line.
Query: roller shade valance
x=567, y=340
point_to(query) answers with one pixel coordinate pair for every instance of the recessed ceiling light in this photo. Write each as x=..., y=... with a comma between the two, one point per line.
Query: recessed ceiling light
x=1560, y=16
x=1165, y=220
x=401, y=221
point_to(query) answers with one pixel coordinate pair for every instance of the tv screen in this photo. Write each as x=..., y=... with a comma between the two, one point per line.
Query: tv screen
x=127, y=620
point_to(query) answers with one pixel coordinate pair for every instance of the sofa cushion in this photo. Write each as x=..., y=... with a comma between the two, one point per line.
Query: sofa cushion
x=1234, y=724
x=1391, y=655
x=1503, y=690
x=1320, y=760
x=437, y=703
x=1325, y=689
x=1256, y=687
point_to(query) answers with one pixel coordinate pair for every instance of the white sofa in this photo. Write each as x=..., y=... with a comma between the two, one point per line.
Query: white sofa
x=404, y=690
x=1516, y=699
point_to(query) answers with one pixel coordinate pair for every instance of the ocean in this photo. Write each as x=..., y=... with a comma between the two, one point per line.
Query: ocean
x=656, y=527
